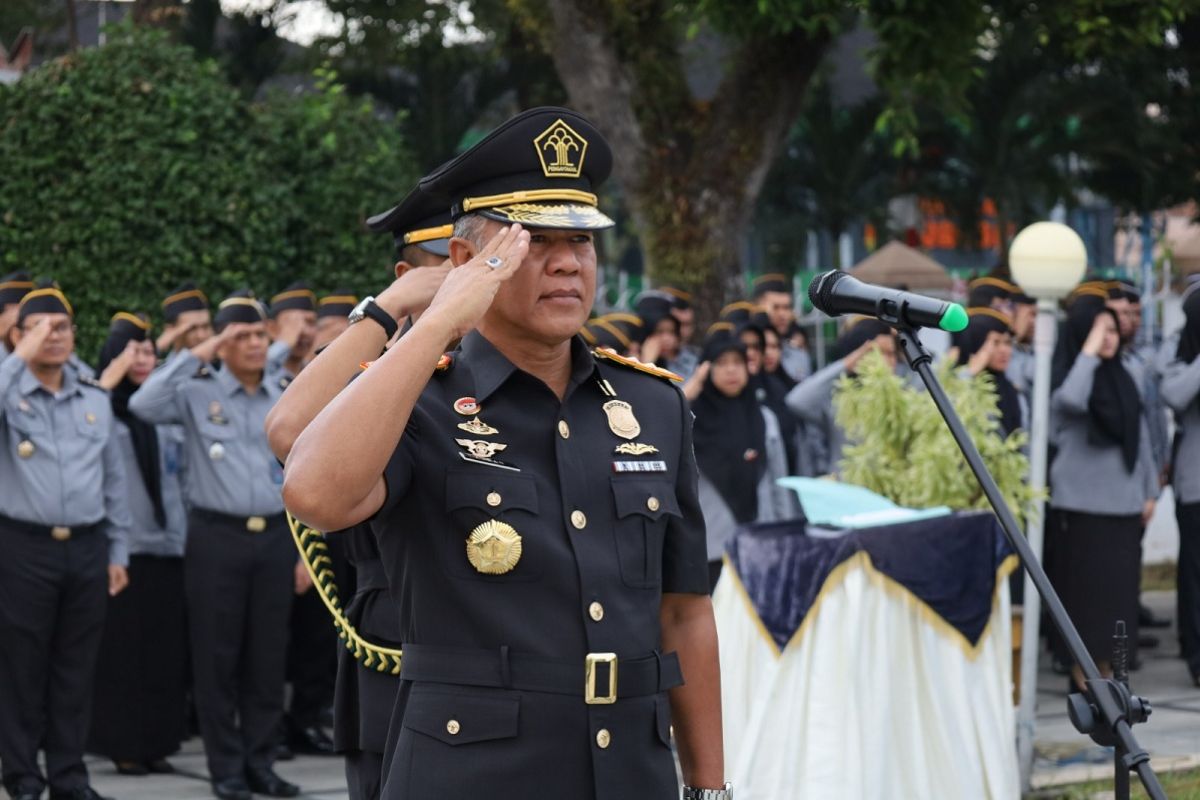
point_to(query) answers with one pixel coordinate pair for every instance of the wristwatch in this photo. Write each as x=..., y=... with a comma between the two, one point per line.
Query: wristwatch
x=724, y=793
x=367, y=308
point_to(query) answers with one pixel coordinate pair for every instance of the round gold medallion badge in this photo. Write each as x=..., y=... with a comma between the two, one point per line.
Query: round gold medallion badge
x=494, y=548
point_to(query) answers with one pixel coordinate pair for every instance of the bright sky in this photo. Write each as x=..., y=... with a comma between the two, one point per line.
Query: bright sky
x=302, y=21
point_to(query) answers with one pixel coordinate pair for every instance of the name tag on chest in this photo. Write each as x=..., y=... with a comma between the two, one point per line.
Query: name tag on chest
x=639, y=466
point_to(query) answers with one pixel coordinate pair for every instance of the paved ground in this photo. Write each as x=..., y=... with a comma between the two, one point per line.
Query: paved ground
x=1172, y=736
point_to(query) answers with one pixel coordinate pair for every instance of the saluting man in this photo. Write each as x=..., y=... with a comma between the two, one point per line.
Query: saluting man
x=64, y=523
x=541, y=502
x=187, y=318
x=13, y=287
x=239, y=561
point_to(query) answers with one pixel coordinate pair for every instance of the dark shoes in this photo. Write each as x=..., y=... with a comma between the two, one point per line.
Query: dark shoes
x=265, y=781
x=82, y=793
x=311, y=740
x=232, y=789
x=160, y=767
x=130, y=768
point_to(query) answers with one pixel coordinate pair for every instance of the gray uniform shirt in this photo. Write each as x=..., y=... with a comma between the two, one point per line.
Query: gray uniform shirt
x=1085, y=477
x=59, y=464
x=1021, y=370
x=812, y=401
x=147, y=537
x=230, y=466
x=1143, y=361
x=1181, y=391
x=796, y=362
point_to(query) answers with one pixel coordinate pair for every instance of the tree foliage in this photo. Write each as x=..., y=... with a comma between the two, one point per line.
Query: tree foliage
x=132, y=166
x=900, y=447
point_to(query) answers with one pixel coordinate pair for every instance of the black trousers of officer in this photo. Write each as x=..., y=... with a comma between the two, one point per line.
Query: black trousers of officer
x=239, y=594
x=312, y=652
x=53, y=596
x=1188, y=515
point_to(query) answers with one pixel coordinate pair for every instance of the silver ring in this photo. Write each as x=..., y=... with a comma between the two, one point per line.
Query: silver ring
x=495, y=262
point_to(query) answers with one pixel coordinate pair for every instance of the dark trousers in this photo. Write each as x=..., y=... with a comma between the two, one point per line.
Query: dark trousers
x=311, y=660
x=53, y=597
x=239, y=592
x=1188, y=596
x=364, y=775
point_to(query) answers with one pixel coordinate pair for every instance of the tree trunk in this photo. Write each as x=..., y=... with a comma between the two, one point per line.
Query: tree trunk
x=72, y=27
x=691, y=170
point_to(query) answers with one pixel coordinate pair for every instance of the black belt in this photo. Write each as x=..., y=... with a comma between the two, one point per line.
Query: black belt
x=597, y=678
x=59, y=533
x=255, y=524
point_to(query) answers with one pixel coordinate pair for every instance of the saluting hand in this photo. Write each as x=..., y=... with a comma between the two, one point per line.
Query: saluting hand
x=469, y=289
x=207, y=350
x=695, y=382
x=978, y=361
x=1095, y=338
x=118, y=368
x=32, y=340
x=118, y=579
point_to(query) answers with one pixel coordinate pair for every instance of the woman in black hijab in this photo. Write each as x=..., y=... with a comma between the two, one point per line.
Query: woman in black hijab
x=986, y=345
x=1181, y=391
x=138, y=709
x=1104, y=482
x=739, y=449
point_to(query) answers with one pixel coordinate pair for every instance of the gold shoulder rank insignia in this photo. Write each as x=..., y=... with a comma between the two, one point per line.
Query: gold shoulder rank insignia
x=609, y=354
x=444, y=362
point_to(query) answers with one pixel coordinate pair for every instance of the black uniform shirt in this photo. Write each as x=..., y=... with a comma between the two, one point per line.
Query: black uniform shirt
x=603, y=532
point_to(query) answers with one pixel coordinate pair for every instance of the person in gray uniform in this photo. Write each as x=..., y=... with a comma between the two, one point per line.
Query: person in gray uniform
x=293, y=328
x=13, y=287
x=138, y=717
x=239, y=563
x=1103, y=479
x=187, y=320
x=64, y=522
x=812, y=399
x=1181, y=391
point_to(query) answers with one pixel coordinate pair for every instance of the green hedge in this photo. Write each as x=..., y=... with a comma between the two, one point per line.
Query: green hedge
x=127, y=168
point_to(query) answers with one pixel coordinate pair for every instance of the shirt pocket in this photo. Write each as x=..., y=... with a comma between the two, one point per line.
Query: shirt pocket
x=458, y=719
x=643, y=506
x=475, y=497
x=93, y=422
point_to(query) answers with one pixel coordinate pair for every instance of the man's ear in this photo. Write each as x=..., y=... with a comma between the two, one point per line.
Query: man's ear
x=461, y=251
x=402, y=267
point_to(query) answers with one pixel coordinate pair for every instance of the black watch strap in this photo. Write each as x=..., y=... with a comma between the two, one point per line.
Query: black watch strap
x=389, y=325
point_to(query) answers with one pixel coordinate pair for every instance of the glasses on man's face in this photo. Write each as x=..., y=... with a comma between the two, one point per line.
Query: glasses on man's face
x=57, y=329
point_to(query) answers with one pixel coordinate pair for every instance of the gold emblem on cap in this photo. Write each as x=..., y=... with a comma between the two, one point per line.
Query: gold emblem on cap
x=636, y=448
x=494, y=547
x=477, y=448
x=561, y=151
x=477, y=427
x=621, y=420
x=25, y=449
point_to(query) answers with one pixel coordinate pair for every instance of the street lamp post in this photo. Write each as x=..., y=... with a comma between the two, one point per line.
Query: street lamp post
x=1047, y=260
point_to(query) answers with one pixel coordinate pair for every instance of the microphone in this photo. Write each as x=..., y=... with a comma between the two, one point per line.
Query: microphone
x=838, y=293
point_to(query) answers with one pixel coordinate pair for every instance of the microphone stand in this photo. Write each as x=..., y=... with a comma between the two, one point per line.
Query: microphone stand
x=1108, y=709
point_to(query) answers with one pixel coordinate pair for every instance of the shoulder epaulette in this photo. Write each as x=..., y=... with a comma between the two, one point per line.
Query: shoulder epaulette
x=87, y=380
x=607, y=354
x=203, y=372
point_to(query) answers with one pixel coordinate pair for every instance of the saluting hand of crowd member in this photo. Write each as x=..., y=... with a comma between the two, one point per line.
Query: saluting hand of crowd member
x=695, y=382
x=207, y=350
x=979, y=360
x=33, y=338
x=852, y=360
x=115, y=372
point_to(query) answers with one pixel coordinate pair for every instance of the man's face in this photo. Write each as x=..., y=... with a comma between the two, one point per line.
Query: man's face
x=328, y=329
x=551, y=294
x=247, y=350
x=1120, y=307
x=197, y=326
x=59, y=343
x=1023, y=317
x=300, y=318
x=687, y=322
x=779, y=310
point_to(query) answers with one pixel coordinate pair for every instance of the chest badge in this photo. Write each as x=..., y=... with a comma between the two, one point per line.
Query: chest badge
x=26, y=449
x=467, y=406
x=90, y=418
x=621, y=420
x=494, y=548
x=477, y=427
x=25, y=407
x=216, y=451
x=636, y=449
x=476, y=448
x=214, y=413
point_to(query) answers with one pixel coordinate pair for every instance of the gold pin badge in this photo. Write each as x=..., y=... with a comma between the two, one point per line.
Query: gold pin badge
x=90, y=417
x=467, y=406
x=477, y=427
x=494, y=548
x=636, y=449
x=25, y=449
x=24, y=406
x=477, y=448
x=621, y=420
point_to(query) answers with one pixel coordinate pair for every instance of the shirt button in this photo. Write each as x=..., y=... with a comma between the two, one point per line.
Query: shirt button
x=578, y=519
x=564, y=430
x=493, y=499
x=596, y=611
x=452, y=727
x=603, y=738
x=652, y=504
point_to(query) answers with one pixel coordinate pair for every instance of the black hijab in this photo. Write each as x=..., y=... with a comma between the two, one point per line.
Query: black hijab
x=730, y=436
x=982, y=322
x=124, y=329
x=1115, y=407
x=1189, y=337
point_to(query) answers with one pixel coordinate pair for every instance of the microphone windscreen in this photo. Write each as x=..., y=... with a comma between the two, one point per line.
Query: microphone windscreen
x=820, y=291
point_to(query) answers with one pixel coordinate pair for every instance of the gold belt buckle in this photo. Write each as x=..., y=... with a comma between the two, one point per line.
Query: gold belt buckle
x=256, y=524
x=60, y=533
x=589, y=688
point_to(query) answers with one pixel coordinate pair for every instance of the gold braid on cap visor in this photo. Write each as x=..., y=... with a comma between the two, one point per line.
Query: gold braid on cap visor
x=530, y=196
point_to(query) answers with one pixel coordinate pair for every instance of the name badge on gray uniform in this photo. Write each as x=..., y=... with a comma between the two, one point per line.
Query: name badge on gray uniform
x=639, y=466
